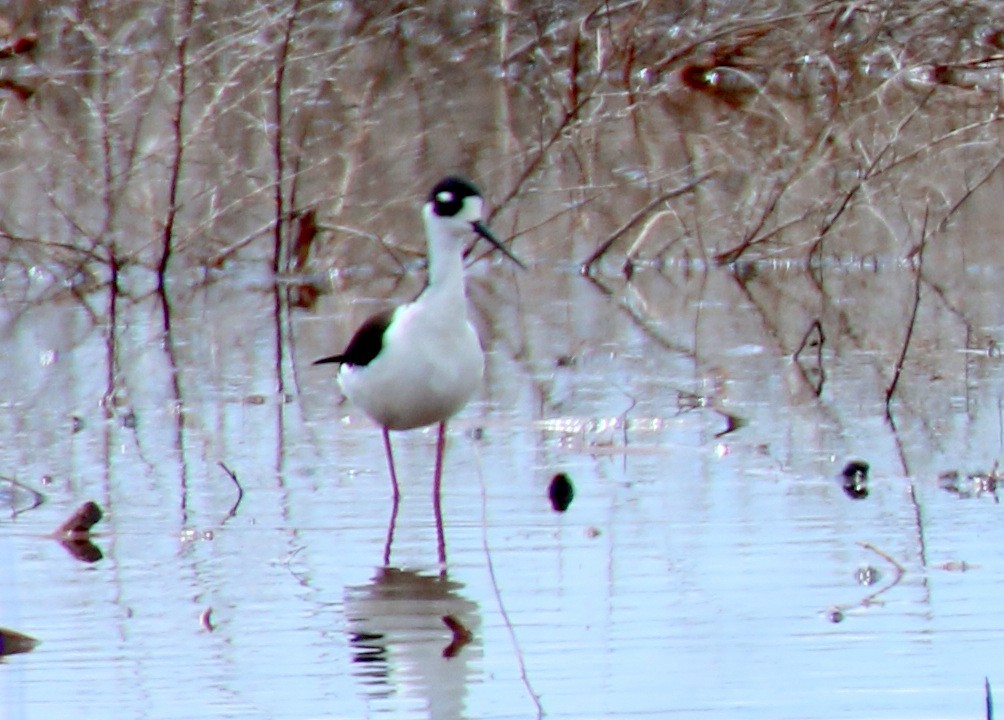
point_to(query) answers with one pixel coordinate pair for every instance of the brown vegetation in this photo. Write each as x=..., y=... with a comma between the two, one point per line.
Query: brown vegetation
x=198, y=134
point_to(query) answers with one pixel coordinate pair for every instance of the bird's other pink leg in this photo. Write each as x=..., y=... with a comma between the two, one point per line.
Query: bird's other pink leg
x=437, y=482
x=390, y=464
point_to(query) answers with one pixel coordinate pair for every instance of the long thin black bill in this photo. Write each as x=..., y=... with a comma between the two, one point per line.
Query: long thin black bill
x=484, y=232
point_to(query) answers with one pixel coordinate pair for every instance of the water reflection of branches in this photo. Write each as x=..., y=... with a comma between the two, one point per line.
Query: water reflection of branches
x=837, y=612
x=240, y=491
x=686, y=400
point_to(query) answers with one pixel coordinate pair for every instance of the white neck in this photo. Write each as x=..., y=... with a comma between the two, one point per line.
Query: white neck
x=445, y=258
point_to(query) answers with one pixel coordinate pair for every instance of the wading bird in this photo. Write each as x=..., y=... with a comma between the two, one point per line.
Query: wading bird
x=419, y=363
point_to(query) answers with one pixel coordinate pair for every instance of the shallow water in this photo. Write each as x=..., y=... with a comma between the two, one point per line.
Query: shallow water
x=713, y=560
x=697, y=571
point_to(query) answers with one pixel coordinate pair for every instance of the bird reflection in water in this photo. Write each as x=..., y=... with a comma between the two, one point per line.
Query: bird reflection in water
x=413, y=635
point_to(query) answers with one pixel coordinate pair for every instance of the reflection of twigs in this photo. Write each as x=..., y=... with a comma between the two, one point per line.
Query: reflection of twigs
x=814, y=338
x=900, y=570
x=240, y=490
x=837, y=611
x=520, y=661
x=913, y=320
x=15, y=487
x=989, y=698
x=302, y=579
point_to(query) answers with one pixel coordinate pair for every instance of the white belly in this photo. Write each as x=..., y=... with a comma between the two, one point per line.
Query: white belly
x=427, y=370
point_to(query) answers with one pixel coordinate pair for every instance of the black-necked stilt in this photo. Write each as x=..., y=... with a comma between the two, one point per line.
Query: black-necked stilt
x=419, y=364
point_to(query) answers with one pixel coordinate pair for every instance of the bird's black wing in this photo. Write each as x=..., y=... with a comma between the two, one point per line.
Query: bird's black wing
x=365, y=344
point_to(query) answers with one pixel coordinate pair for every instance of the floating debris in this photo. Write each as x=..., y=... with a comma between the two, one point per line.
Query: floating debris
x=867, y=575
x=75, y=533
x=855, y=479
x=12, y=643
x=561, y=492
x=461, y=636
x=972, y=485
x=956, y=566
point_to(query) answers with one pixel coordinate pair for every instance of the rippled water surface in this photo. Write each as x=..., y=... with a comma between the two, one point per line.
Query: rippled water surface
x=789, y=217
x=711, y=561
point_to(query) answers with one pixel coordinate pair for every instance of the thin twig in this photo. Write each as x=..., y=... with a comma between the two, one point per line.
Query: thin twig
x=867, y=174
x=280, y=258
x=913, y=320
x=587, y=265
x=185, y=21
x=969, y=193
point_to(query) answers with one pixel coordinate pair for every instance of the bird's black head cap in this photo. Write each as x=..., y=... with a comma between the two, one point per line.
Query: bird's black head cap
x=448, y=196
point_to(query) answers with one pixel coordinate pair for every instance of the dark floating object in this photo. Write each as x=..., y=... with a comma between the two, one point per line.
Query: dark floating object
x=561, y=492
x=206, y=620
x=855, y=479
x=732, y=423
x=75, y=533
x=461, y=636
x=12, y=643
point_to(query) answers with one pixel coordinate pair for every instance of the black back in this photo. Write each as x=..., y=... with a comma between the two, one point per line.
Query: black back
x=366, y=344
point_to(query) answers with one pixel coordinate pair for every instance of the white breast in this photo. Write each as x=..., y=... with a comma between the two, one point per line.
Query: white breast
x=429, y=366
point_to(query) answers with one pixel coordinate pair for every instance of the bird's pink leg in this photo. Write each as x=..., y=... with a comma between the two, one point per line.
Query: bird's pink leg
x=436, y=484
x=397, y=496
x=390, y=464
